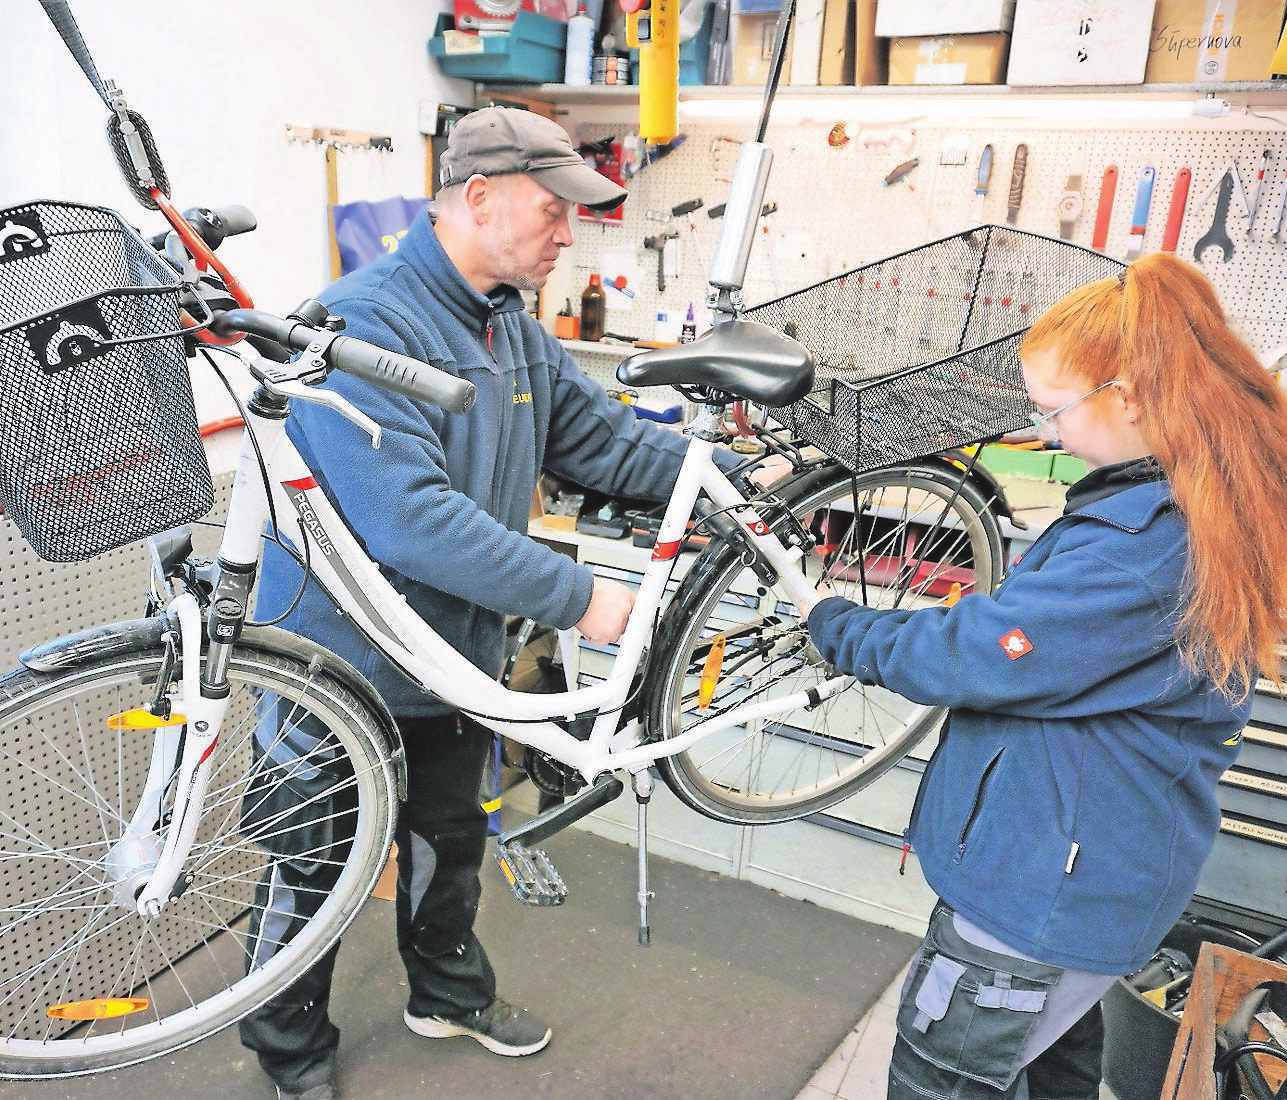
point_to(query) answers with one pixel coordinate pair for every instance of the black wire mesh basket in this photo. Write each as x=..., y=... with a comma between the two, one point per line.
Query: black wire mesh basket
x=99, y=444
x=919, y=352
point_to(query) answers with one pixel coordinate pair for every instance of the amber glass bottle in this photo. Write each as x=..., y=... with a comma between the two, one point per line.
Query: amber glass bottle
x=593, y=307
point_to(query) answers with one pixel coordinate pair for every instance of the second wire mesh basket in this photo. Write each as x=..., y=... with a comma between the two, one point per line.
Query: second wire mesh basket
x=919, y=352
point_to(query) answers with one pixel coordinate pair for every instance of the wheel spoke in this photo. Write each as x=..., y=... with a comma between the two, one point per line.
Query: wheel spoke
x=891, y=538
x=300, y=775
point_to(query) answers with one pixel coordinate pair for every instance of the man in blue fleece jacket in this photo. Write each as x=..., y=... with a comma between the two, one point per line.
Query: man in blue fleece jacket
x=443, y=507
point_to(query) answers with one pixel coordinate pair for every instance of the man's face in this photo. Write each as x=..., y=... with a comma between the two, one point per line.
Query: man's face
x=527, y=228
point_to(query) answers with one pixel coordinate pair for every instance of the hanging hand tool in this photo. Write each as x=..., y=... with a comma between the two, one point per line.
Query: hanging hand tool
x=1104, y=212
x=982, y=181
x=1282, y=210
x=1175, y=213
x=902, y=172
x=1017, y=174
x=1069, y=209
x=658, y=244
x=1225, y=188
x=1139, y=216
x=1260, y=185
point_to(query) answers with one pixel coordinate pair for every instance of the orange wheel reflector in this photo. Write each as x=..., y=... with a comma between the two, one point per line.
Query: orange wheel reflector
x=710, y=672
x=953, y=594
x=99, y=1008
x=140, y=719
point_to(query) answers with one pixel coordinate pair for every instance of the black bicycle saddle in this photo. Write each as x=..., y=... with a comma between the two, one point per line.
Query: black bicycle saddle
x=744, y=358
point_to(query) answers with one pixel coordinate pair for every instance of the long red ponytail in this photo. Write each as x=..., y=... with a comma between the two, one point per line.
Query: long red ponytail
x=1217, y=424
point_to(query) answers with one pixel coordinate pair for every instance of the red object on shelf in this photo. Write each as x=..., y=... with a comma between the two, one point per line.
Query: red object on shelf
x=476, y=15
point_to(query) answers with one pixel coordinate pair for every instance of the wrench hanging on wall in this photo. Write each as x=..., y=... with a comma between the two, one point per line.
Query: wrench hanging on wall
x=1225, y=188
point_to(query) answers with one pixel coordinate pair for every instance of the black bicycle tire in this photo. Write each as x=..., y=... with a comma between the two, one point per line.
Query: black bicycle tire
x=710, y=579
x=367, y=738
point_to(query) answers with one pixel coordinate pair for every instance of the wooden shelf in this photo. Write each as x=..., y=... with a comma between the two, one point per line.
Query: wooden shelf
x=1258, y=93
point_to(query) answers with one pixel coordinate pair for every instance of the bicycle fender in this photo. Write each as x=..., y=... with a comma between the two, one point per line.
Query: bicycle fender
x=111, y=639
x=106, y=640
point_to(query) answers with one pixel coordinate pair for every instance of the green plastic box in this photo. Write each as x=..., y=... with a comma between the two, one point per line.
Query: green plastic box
x=531, y=53
x=1067, y=468
x=1018, y=461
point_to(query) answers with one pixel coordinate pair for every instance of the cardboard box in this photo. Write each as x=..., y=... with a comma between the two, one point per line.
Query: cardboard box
x=836, y=55
x=1080, y=41
x=871, y=53
x=836, y=44
x=959, y=59
x=1230, y=40
x=754, y=35
x=806, y=42
x=934, y=18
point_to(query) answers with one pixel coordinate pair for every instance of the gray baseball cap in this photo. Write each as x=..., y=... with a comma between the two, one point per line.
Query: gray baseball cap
x=497, y=141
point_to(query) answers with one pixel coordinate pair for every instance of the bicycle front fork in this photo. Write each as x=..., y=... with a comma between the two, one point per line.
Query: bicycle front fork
x=181, y=755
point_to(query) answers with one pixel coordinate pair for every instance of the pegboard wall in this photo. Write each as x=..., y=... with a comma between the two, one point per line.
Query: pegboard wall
x=834, y=211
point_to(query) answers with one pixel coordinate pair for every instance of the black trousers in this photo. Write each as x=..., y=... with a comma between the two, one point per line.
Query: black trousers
x=441, y=836
x=1069, y=1069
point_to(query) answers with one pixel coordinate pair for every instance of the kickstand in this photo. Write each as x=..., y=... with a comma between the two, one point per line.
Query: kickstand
x=642, y=783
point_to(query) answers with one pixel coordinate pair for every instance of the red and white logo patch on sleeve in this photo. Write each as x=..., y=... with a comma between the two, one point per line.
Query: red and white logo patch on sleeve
x=1015, y=643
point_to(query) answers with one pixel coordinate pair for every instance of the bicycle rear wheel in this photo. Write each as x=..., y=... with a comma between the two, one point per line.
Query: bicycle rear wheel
x=908, y=536
x=303, y=768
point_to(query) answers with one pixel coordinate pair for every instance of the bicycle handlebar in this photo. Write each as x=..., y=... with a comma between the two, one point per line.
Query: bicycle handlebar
x=399, y=373
x=211, y=225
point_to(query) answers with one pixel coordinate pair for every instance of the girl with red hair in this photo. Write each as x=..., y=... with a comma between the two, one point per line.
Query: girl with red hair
x=1095, y=697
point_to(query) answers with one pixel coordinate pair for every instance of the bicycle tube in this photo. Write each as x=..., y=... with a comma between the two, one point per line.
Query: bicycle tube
x=876, y=536
x=305, y=775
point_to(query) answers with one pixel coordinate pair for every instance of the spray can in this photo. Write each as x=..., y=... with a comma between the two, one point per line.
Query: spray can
x=578, y=60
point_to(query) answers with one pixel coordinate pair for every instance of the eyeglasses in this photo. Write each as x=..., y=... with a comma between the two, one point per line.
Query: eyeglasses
x=1044, y=423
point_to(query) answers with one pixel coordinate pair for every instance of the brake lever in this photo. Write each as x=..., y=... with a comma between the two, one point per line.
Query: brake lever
x=291, y=386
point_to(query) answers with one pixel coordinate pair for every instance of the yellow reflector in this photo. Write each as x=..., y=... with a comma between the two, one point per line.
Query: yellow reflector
x=99, y=1008
x=953, y=594
x=710, y=672
x=140, y=719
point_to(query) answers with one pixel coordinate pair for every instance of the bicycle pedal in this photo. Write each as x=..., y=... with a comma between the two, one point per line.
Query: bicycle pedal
x=531, y=875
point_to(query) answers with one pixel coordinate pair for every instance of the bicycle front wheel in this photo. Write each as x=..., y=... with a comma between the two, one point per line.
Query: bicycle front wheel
x=301, y=777
x=909, y=536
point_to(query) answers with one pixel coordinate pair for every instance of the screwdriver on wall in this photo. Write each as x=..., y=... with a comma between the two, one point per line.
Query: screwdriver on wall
x=1260, y=185
x=982, y=180
x=1017, y=174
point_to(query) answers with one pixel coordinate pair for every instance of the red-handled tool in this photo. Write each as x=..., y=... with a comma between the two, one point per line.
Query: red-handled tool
x=1175, y=213
x=1104, y=213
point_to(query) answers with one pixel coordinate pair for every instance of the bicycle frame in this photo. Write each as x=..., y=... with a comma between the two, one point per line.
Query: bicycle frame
x=358, y=588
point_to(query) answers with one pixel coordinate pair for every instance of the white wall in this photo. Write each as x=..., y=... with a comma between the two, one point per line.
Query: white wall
x=218, y=83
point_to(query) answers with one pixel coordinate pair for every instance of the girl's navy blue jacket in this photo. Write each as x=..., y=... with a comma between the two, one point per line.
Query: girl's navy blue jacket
x=1070, y=803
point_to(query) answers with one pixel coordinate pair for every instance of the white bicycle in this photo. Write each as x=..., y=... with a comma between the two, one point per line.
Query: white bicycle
x=146, y=760
x=157, y=769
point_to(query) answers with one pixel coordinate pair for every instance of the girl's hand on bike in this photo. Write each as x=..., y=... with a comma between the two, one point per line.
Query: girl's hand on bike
x=604, y=620
x=822, y=592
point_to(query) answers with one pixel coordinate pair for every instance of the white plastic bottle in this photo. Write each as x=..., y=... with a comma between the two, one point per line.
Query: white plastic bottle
x=580, y=48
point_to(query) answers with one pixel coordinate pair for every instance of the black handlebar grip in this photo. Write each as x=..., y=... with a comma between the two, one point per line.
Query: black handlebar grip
x=402, y=374
x=236, y=219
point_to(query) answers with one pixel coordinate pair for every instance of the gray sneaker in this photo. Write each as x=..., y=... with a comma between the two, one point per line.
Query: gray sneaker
x=500, y=1027
x=324, y=1091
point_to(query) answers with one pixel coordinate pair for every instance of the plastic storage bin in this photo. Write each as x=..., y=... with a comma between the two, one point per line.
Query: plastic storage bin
x=531, y=53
